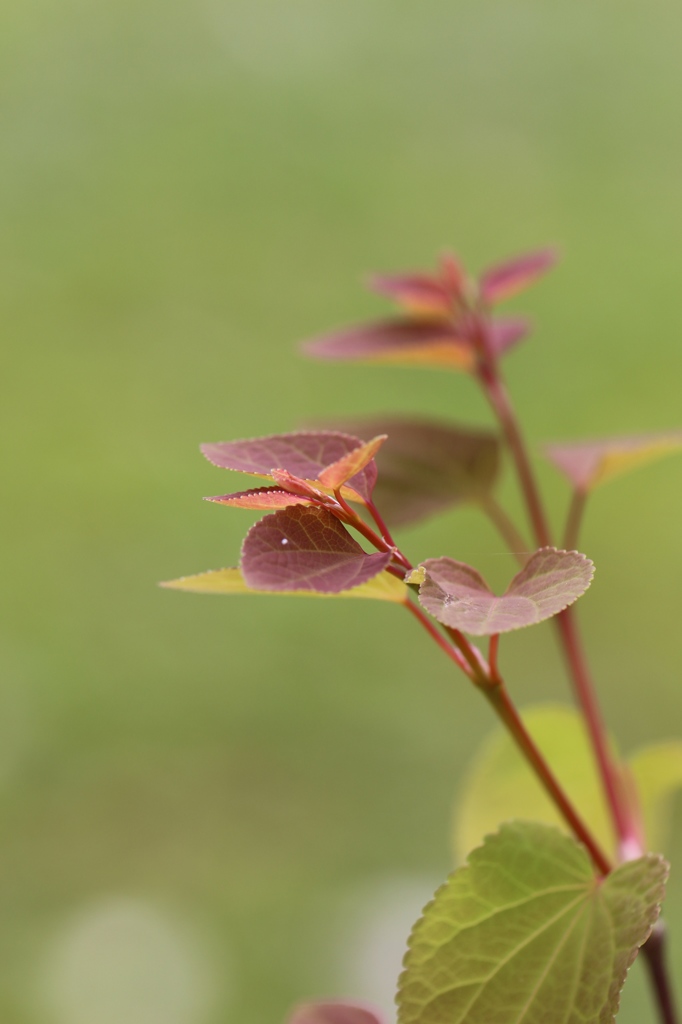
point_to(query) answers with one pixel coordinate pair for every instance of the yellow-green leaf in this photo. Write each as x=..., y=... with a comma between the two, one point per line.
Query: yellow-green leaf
x=526, y=934
x=657, y=772
x=383, y=587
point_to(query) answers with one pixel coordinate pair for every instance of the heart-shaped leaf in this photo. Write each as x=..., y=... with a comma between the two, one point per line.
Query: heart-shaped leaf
x=263, y=499
x=526, y=933
x=499, y=785
x=507, y=279
x=304, y=454
x=458, y=596
x=427, y=465
x=333, y=1013
x=306, y=549
x=428, y=342
x=382, y=587
x=589, y=463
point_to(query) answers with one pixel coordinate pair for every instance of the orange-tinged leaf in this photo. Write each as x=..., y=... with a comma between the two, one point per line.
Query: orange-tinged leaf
x=403, y=342
x=590, y=463
x=383, y=587
x=342, y=471
x=418, y=293
x=264, y=499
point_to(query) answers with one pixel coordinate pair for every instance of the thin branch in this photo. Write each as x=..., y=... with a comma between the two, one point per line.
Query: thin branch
x=507, y=713
x=574, y=519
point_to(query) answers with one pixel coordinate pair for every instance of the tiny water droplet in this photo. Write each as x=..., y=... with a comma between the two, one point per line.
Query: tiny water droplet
x=284, y=540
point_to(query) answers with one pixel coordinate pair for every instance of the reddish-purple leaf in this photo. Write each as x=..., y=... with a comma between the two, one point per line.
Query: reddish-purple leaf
x=419, y=293
x=505, y=332
x=589, y=463
x=459, y=597
x=303, y=454
x=429, y=342
x=306, y=549
x=507, y=279
x=350, y=465
x=263, y=499
x=427, y=465
x=333, y=1013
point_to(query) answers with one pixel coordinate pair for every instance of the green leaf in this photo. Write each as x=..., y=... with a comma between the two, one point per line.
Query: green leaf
x=384, y=587
x=499, y=784
x=657, y=772
x=526, y=934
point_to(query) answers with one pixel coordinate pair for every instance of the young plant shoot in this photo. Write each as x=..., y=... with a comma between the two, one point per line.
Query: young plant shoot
x=542, y=922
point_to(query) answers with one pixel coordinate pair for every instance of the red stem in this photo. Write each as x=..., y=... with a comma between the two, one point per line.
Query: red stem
x=497, y=395
x=625, y=828
x=574, y=519
x=434, y=633
x=381, y=543
x=505, y=710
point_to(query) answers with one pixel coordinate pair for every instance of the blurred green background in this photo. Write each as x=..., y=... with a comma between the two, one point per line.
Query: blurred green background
x=212, y=807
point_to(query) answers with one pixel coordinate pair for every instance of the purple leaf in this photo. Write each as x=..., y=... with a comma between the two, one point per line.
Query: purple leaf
x=333, y=1013
x=264, y=499
x=419, y=293
x=427, y=465
x=589, y=463
x=507, y=279
x=430, y=342
x=459, y=597
x=306, y=549
x=505, y=332
x=303, y=454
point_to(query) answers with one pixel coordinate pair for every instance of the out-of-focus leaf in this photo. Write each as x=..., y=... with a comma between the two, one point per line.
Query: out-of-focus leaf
x=499, y=785
x=382, y=587
x=418, y=293
x=508, y=279
x=334, y=1013
x=410, y=342
x=306, y=549
x=427, y=465
x=505, y=332
x=304, y=454
x=657, y=772
x=262, y=498
x=351, y=465
x=458, y=596
x=527, y=933
x=589, y=463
